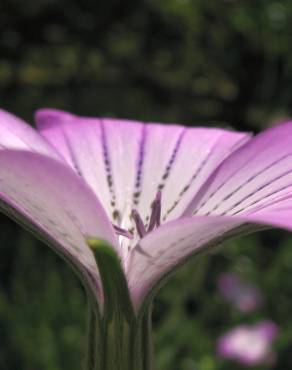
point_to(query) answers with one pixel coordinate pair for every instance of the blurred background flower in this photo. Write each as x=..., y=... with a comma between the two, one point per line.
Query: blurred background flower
x=244, y=296
x=249, y=344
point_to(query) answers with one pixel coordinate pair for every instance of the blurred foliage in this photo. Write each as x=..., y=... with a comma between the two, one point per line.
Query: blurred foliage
x=175, y=60
x=216, y=62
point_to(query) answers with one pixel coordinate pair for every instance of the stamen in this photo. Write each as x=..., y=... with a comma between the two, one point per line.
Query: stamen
x=156, y=212
x=123, y=232
x=139, y=223
x=142, y=230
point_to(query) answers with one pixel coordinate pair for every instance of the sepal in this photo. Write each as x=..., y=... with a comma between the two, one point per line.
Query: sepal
x=115, y=288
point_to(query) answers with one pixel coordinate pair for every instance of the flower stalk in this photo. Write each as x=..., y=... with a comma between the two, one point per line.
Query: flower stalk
x=118, y=339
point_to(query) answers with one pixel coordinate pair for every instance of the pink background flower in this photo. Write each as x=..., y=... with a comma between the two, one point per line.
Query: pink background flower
x=249, y=344
x=243, y=295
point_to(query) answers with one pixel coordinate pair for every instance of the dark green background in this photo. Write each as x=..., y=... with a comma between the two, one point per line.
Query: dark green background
x=216, y=62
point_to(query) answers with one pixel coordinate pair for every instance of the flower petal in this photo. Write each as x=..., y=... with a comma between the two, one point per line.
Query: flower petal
x=173, y=243
x=48, y=197
x=104, y=152
x=127, y=162
x=256, y=175
x=17, y=134
x=168, y=246
x=201, y=151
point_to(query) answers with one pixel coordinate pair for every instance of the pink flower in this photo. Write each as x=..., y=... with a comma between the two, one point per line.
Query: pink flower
x=245, y=296
x=157, y=194
x=249, y=345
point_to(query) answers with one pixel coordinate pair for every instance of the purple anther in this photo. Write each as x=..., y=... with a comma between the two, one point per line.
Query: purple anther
x=139, y=223
x=156, y=212
x=123, y=232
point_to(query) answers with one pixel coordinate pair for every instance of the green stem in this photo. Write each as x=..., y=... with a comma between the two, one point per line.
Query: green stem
x=118, y=338
x=147, y=343
x=92, y=332
x=117, y=344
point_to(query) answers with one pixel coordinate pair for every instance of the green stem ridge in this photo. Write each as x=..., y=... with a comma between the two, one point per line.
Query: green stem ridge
x=118, y=339
x=93, y=341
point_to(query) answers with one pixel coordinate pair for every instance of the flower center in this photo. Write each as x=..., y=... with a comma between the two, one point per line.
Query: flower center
x=142, y=228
